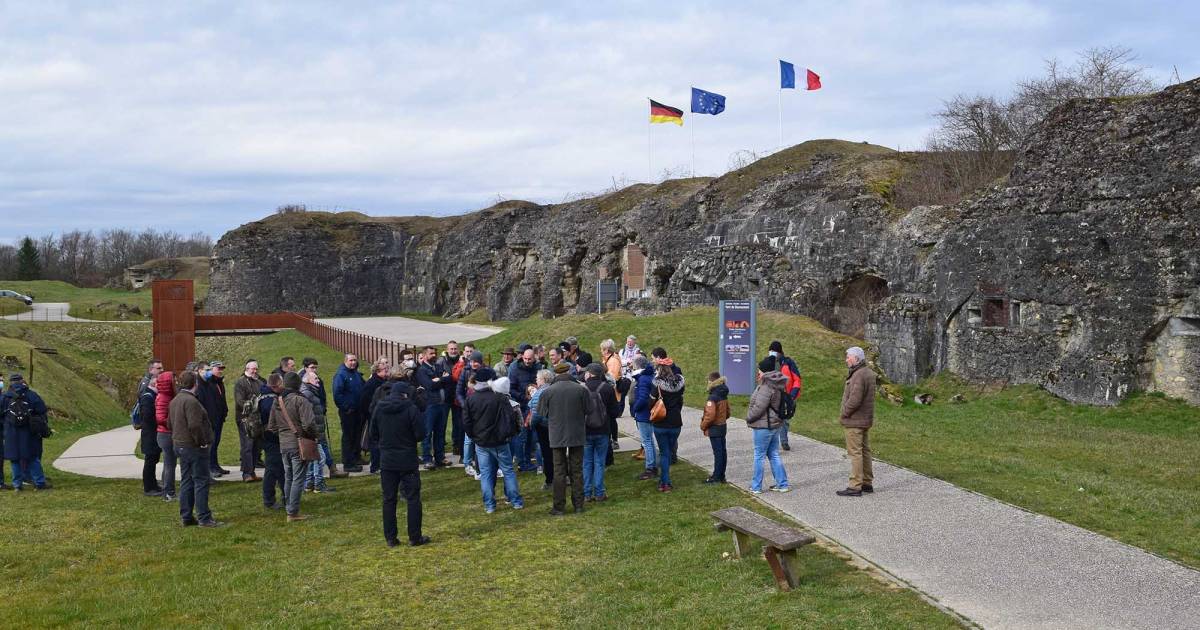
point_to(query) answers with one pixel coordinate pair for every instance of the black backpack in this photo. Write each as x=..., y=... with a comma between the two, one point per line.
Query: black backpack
x=623, y=385
x=598, y=418
x=787, y=406
x=19, y=411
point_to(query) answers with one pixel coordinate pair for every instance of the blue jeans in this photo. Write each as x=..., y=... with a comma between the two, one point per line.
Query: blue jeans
x=766, y=446
x=717, y=439
x=434, y=444
x=29, y=470
x=667, y=438
x=531, y=447
x=595, y=450
x=468, y=456
x=491, y=457
x=316, y=472
x=646, y=430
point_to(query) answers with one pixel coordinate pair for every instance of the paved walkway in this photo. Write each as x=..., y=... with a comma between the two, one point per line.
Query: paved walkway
x=412, y=331
x=995, y=564
x=110, y=455
x=57, y=312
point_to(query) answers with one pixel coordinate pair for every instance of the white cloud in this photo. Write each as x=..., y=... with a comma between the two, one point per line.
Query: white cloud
x=225, y=110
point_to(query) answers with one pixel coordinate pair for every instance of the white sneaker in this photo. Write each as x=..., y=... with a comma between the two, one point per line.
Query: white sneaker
x=499, y=474
x=783, y=489
x=471, y=472
x=478, y=476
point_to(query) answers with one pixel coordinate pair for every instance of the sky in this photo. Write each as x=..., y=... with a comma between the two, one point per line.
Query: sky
x=201, y=116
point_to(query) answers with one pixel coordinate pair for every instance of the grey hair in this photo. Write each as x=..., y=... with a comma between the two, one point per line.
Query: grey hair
x=545, y=376
x=608, y=345
x=640, y=362
x=857, y=353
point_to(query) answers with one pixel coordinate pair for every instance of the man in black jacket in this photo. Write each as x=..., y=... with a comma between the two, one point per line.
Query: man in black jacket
x=397, y=427
x=435, y=378
x=491, y=418
x=215, y=383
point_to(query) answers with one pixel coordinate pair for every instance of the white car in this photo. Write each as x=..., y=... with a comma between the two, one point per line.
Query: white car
x=13, y=294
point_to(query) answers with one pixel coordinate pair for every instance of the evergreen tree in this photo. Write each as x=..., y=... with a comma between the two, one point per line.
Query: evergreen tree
x=29, y=264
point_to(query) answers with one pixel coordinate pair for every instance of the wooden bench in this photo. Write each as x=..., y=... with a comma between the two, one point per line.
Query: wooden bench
x=780, y=542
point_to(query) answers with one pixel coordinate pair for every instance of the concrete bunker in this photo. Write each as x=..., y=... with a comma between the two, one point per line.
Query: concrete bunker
x=854, y=303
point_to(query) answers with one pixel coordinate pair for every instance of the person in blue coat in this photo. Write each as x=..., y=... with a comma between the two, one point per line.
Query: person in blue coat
x=347, y=392
x=22, y=446
x=643, y=389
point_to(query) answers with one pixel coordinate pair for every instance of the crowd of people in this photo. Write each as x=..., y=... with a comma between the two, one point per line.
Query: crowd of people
x=552, y=410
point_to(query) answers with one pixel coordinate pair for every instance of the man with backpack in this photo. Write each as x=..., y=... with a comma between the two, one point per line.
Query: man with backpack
x=795, y=385
x=246, y=391
x=25, y=425
x=492, y=421
x=604, y=409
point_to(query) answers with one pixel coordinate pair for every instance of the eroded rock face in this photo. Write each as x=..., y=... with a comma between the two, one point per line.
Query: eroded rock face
x=1068, y=275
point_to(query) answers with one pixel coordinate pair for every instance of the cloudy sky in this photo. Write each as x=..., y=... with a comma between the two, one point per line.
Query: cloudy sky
x=202, y=116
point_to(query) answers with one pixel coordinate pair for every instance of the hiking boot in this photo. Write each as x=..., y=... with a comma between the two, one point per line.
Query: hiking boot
x=849, y=492
x=781, y=488
x=292, y=518
x=222, y=471
x=393, y=543
x=601, y=498
x=190, y=522
x=168, y=497
x=335, y=474
x=152, y=493
x=714, y=480
x=352, y=468
x=417, y=542
x=868, y=488
x=44, y=486
x=324, y=489
x=250, y=478
x=556, y=512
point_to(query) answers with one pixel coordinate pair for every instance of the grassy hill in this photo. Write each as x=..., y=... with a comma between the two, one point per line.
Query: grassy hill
x=1125, y=471
x=111, y=557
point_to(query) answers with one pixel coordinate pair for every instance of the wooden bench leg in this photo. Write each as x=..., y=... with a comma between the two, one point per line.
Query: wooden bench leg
x=741, y=544
x=781, y=577
x=791, y=567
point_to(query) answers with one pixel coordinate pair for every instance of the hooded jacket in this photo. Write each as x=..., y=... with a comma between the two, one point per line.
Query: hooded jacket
x=397, y=427
x=162, y=401
x=671, y=390
x=643, y=388
x=716, y=408
x=309, y=391
x=764, y=402
x=490, y=419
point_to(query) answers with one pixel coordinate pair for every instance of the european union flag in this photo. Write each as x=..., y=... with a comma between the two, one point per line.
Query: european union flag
x=707, y=102
x=787, y=75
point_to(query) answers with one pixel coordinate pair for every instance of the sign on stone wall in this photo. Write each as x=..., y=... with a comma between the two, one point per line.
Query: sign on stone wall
x=736, y=337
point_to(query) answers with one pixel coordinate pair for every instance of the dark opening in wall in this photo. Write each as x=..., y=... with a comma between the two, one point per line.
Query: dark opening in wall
x=994, y=314
x=1014, y=314
x=855, y=303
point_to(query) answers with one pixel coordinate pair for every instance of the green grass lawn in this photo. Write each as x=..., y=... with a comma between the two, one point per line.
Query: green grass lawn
x=1125, y=471
x=95, y=553
x=103, y=304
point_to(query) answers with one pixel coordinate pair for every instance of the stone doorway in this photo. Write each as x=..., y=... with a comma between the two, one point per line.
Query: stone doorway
x=855, y=302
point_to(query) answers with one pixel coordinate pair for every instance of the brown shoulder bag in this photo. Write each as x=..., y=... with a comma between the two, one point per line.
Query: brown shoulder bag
x=308, y=446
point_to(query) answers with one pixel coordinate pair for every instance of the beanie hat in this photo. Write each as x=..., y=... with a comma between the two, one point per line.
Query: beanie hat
x=562, y=368
x=484, y=374
x=291, y=380
x=775, y=347
x=476, y=356
x=767, y=364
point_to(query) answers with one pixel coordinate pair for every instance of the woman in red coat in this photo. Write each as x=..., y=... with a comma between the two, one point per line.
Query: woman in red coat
x=162, y=401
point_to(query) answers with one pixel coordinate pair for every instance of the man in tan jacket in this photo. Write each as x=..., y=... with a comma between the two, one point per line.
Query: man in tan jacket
x=858, y=414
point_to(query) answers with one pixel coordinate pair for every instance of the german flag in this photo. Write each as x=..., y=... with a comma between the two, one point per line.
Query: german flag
x=660, y=113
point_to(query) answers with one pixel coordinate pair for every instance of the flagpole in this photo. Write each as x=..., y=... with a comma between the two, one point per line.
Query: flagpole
x=693, y=128
x=649, y=159
x=781, y=118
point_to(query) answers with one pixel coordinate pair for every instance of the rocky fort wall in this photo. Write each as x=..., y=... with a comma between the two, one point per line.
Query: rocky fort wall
x=1068, y=274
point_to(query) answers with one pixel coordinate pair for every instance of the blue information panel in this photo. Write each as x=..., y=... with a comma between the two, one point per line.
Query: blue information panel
x=736, y=336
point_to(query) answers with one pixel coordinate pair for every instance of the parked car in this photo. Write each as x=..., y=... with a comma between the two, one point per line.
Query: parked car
x=13, y=294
